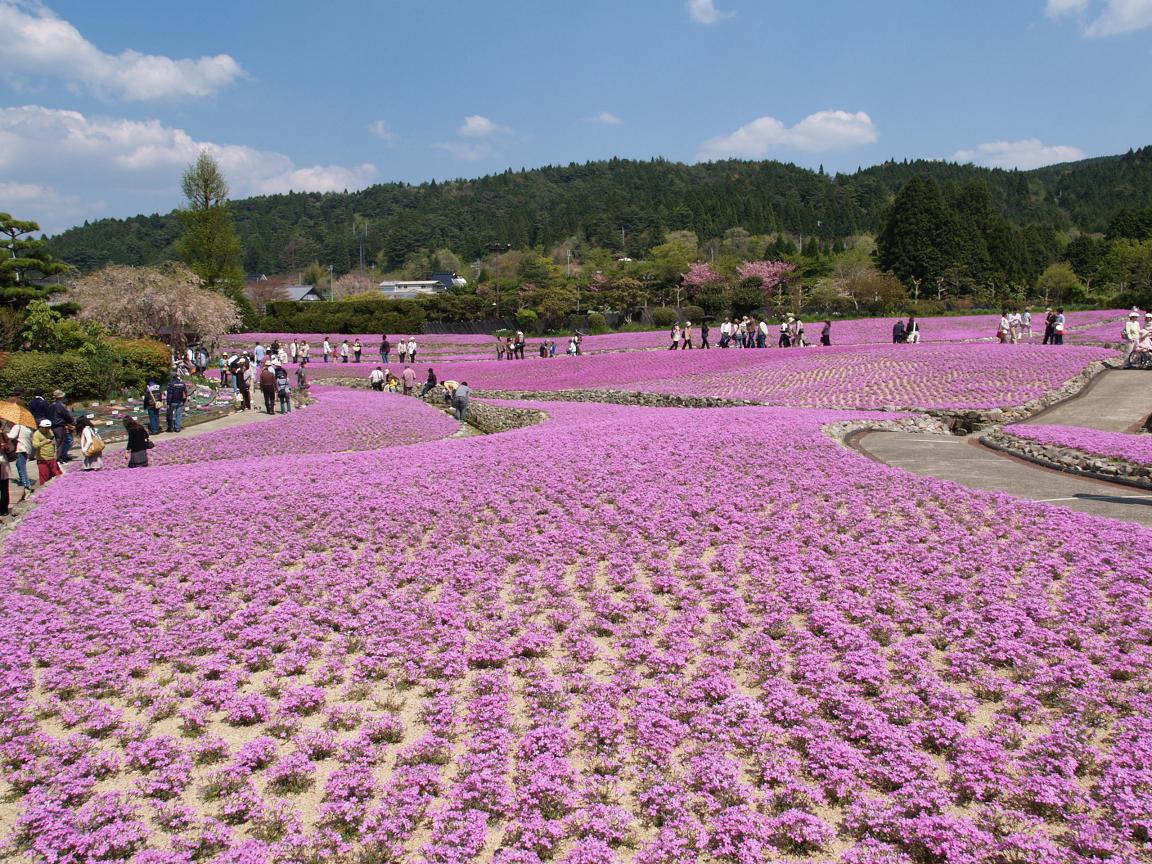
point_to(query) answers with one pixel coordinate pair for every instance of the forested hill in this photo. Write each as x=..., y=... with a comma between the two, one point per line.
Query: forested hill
x=594, y=201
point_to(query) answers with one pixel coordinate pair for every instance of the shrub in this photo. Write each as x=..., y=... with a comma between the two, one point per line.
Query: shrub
x=38, y=372
x=597, y=323
x=662, y=316
x=692, y=313
x=141, y=360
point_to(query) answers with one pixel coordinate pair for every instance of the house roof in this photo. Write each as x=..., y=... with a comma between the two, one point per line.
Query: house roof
x=302, y=292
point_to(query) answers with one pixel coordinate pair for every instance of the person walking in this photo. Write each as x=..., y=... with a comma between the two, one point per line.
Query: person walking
x=704, y=335
x=725, y=332
x=344, y=350
x=357, y=349
x=411, y=349
x=1002, y=328
x=138, y=444
x=1058, y=325
x=268, y=388
x=686, y=336
x=430, y=383
x=283, y=390
x=519, y=347
x=797, y=329
x=1015, y=326
x=44, y=446
x=294, y=351
x=176, y=396
x=460, y=401
x=1049, y=324
x=247, y=382
x=408, y=377
x=385, y=348
x=21, y=438
x=301, y=384
x=5, y=476
x=826, y=334
x=1131, y=337
x=675, y=337
x=152, y=405
x=39, y=408
x=785, y=339
x=376, y=379
x=259, y=352
x=1026, y=323
x=91, y=444
x=327, y=349
x=63, y=425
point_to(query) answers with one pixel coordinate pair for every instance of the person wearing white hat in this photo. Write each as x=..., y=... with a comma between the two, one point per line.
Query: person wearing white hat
x=44, y=445
x=1131, y=336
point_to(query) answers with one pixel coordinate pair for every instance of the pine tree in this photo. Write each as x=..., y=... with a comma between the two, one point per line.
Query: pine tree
x=23, y=259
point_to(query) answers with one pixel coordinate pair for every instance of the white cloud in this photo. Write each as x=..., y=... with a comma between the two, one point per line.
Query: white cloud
x=136, y=164
x=1121, y=16
x=476, y=126
x=380, y=129
x=607, y=118
x=705, y=11
x=1024, y=154
x=1116, y=16
x=824, y=130
x=1060, y=8
x=35, y=42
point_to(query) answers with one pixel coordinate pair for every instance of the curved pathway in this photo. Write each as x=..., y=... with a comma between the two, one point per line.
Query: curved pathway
x=1118, y=400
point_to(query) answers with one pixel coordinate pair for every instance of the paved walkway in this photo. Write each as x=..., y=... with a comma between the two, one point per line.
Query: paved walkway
x=1118, y=400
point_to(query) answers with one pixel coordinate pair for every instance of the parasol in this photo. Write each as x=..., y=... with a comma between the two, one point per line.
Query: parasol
x=14, y=412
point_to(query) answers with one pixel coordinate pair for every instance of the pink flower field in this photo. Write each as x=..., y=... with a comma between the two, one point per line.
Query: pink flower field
x=622, y=635
x=340, y=419
x=957, y=376
x=1091, y=327
x=1136, y=449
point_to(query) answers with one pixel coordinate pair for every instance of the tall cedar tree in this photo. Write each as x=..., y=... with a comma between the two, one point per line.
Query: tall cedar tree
x=209, y=245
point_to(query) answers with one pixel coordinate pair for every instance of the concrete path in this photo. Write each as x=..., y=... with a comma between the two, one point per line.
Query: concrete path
x=963, y=460
x=1118, y=400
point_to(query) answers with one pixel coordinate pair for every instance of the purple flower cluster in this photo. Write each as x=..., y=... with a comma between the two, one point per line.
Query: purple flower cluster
x=340, y=419
x=1136, y=449
x=625, y=634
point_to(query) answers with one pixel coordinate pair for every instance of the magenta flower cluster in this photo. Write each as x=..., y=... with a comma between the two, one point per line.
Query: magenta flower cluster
x=625, y=634
x=1121, y=446
x=340, y=419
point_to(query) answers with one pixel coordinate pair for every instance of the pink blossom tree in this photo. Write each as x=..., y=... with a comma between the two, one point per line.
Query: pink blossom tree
x=770, y=273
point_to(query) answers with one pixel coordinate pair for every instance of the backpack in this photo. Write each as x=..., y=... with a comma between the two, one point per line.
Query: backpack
x=285, y=388
x=96, y=447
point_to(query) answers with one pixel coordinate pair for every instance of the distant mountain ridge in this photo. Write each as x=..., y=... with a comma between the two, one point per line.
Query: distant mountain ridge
x=620, y=204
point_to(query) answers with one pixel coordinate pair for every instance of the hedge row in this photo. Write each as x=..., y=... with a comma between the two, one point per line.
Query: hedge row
x=128, y=363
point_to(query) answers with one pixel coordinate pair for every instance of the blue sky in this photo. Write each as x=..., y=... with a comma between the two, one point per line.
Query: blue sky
x=102, y=105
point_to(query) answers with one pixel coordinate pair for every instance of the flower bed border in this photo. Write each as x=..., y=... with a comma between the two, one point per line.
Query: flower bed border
x=1070, y=460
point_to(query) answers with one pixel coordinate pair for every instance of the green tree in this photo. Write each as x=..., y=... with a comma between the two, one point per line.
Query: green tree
x=917, y=238
x=209, y=245
x=1060, y=284
x=23, y=259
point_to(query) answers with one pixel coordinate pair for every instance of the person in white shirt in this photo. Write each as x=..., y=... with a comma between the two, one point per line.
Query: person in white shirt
x=294, y=351
x=411, y=350
x=1026, y=323
x=376, y=379
x=1015, y=326
x=327, y=349
x=1131, y=337
x=725, y=333
x=22, y=435
x=1003, y=329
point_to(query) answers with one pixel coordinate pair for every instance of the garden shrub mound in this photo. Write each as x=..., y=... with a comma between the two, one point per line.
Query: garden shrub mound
x=340, y=419
x=545, y=645
x=1121, y=446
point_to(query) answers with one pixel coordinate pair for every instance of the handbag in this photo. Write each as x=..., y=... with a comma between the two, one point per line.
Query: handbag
x=96, y=447
x=148, y=445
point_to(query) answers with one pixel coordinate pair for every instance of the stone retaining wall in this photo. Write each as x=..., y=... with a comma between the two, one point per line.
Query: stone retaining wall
x=1070, y=460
